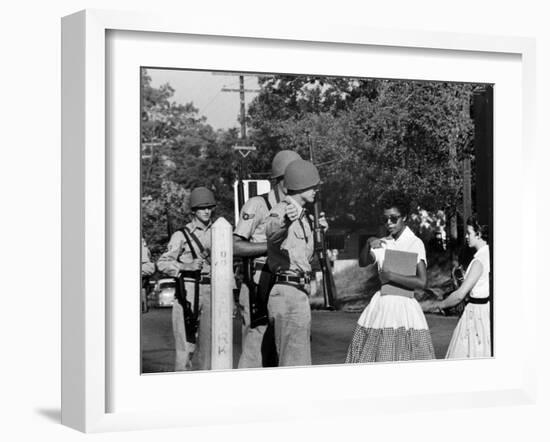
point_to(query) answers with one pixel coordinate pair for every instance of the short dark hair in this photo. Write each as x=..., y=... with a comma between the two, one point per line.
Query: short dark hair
x=394, y=198
x=480, y=229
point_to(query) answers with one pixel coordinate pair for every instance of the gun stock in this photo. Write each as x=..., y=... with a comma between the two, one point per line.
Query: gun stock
x=190, y=315
x=258, y=303
x=258, y=315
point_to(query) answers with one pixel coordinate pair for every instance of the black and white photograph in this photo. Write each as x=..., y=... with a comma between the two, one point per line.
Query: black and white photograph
x=358, y=213
x=275, y=221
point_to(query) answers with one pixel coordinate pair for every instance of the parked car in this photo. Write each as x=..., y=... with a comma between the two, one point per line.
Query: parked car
x=164, y=293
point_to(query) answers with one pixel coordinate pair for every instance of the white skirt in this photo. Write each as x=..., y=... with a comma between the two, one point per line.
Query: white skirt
x=472, y=335
x=391, y=328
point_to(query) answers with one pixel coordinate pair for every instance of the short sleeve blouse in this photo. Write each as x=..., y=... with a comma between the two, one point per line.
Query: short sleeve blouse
x=481, y=287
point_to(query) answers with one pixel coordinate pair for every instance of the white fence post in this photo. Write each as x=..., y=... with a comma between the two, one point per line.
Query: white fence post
x=222, y=295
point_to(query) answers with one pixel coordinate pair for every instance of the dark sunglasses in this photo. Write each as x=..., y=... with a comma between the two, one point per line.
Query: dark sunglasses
x=392, y=218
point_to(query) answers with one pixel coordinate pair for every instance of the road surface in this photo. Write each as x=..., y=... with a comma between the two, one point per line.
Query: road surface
x=330, y=336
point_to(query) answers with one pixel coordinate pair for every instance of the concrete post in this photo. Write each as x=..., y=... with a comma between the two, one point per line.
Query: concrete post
x=222, y=295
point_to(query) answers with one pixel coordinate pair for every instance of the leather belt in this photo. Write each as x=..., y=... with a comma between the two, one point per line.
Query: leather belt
x=300, y=280
x=202, y=280
x=404, y=294
x=478, y=300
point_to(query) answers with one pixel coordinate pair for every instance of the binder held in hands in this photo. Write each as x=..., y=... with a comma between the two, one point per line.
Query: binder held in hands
x=400, y=262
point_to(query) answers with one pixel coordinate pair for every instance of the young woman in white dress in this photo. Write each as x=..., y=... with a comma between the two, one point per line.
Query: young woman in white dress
x=393, y=327
x=472, y=335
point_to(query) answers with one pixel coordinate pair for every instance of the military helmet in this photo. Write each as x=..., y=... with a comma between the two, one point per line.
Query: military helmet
x=301, y=175
x=280, y=162
x=202, y=197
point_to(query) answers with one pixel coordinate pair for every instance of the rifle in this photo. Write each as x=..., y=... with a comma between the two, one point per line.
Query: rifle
x=190, y=315
x=258, y=297
x=144, y=285
x=257, y=293
x=329, y=287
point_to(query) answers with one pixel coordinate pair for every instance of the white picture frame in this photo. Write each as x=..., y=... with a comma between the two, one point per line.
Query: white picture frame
x=90, y=172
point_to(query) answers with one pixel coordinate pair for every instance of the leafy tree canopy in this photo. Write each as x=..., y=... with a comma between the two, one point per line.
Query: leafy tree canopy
x=180, y=151
x=369, y=136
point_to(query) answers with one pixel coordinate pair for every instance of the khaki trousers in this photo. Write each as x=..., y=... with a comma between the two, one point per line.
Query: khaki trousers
x=290, y=315
x=193, y=356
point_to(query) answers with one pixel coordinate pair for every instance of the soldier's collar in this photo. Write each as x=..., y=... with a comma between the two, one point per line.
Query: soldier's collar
x=196, y=224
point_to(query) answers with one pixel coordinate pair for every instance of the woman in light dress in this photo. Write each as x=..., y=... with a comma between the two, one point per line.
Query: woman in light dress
x=393, y=327
x=472, y=335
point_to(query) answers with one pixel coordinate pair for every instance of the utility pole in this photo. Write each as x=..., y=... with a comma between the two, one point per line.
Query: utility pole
x=241, y=90
x=243, y=109
x=467, y=191
x=242, y=148
x=258, y=310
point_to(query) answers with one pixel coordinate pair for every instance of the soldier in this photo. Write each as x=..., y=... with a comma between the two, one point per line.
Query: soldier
x=147, y=267
x=250, y=241
x=189, y=252
x=290, y=248
x=147, y=270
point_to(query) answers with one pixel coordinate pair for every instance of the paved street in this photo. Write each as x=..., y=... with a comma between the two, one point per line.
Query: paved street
x=331, y=334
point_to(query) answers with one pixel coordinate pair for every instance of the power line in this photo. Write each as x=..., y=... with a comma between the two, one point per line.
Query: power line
x=211, y=101
x=241, y=92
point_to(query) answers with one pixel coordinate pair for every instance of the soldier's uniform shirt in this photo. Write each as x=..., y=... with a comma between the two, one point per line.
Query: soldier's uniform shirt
x=290, y=250
x=251, y=227
x=290, y=244
x=178, y=253
x=172, y=262
x=253, y=217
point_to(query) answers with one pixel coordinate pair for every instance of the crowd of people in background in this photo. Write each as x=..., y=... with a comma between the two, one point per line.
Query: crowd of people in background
x=274, y=231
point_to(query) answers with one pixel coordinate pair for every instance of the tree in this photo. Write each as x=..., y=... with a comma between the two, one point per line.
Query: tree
x=287, y=98
x=370, y=137
x=180, y=151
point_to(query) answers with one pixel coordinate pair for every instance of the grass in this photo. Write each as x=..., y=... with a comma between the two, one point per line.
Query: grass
x=354, y=289
x=355, y=286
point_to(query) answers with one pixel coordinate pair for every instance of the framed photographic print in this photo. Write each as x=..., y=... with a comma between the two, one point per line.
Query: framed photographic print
x=149, y=147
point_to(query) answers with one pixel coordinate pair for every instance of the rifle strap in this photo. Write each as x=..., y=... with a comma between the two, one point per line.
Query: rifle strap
x=265, y=196
x=304, y=215
x=277, y=196
x=303, y=228
x=197, y=242
x=186, y=234
x=307, y=216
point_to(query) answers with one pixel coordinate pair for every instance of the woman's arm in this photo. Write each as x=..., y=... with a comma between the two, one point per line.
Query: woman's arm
x=473, y=275
x=365, y=257
x=408, y=282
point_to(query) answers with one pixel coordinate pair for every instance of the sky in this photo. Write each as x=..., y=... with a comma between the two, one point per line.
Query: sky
x=204, y=90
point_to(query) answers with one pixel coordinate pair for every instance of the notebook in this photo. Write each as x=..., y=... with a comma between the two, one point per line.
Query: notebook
x=400, y=262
